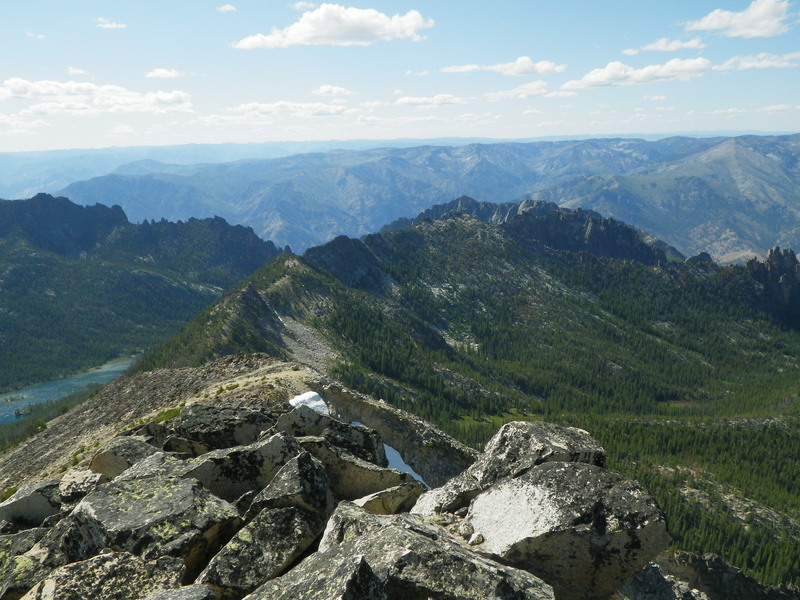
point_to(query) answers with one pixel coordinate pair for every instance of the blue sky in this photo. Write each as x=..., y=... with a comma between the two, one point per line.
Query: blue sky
x=91, y=73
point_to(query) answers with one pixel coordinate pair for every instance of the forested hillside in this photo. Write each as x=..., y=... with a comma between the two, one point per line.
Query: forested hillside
x=81, y=285
x=686, y=371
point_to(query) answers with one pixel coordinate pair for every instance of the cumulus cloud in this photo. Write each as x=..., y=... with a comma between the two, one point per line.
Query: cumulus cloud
x=528, y=90
x=522, y=66
x=617, y=73
x=763, y=18
x=303, y=5
x=668, y=45
x=777, y=108
x=36, y=36
x=163, y=74
x=431, y=101
x=226, y=8
x=336, y=25
x=257, y=112
x=104, y=23
x=654, y=98
x=760, y=61
x=728, y=113
x=331, y=90
x=85, y=98
x=74, y=71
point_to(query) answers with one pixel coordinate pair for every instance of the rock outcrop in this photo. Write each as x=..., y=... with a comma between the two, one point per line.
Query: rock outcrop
x=280, y=502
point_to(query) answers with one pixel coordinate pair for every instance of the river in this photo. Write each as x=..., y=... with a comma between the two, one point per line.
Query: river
x=50, y=391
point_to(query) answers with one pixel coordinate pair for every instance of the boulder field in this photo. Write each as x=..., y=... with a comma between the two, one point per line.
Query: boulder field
x=226, y=501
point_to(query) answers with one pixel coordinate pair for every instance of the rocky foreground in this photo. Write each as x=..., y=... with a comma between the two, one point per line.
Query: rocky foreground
x=251, y=497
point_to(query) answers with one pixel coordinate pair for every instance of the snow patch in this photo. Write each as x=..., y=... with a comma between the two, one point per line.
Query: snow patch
x=396, y=461
x=311, y=400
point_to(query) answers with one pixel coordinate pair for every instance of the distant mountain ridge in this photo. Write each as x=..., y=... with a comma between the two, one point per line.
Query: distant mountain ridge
x=80, y=285
x=732, y=197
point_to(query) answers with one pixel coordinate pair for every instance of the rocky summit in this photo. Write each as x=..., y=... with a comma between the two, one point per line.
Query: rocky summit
x=232, y=487
x=235, y=495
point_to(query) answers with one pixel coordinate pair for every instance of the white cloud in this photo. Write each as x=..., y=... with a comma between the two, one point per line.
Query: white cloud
x=630, y=52
x=522, y=66
x=104, y=23
x=331, y=90
x=256, y=112
x=336, y=25
x=760, y=61
x=668, y=45
x=303, y=5
x=728, y=113
x=226, y=8
x=528, y=90
x=763, y=18
x=437, y=100
x=74, y=71
x=373, y=104
x=654, y=98
x=777, y=108
x=163, y=74
x=72, y=97
x=617, y=73
x=36, y=36
x=16, y=124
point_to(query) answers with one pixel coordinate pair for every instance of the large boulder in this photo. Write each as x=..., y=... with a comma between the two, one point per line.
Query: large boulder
x=651, y=583
x=284, y=519
x=363, y=442
x=351, y=477
x=120, y=453
x=220, y=425
x=342, y=578
x=75, y=484
x=581, y=528
x=189, y=592
x=301, y=482
x=398, y=557
x=231, y=472
x=397, y=499
x=30, y=505
x=261, y=550
x=18, y=572
x=151, y=517
x=110, y=576
x=515, y=449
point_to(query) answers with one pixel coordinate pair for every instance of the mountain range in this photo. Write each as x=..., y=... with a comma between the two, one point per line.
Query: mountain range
x=731, y=197
x=81, y=285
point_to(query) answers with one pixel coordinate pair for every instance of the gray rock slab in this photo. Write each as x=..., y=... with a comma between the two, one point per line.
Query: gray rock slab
x=397, y=499
x=151, y=517
x=30, y=505
x=120, y=453
x=515, y=449
x=581, y=528
x=262, y=550
x=301, y=482
x=361, y=441
x=412, y=559
x=110, y=576
x=351, y=477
